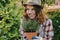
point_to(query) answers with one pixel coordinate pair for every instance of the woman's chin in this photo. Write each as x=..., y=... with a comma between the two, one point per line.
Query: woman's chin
x=31, y=17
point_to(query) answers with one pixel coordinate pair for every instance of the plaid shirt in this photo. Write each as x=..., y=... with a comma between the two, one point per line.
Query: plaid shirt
x=45, y=30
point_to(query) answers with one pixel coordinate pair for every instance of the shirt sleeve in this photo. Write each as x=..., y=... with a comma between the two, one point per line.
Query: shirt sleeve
x=49, y=31
x=21, y=28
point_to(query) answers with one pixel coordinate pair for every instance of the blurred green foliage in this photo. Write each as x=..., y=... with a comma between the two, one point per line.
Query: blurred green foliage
x=49, y=2
x=55, y=16
x=9, y=20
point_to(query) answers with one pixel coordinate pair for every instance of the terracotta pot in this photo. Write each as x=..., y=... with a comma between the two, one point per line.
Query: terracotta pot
x=29, y=35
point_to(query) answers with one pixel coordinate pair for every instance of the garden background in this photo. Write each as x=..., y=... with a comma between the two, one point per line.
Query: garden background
x=10, y=14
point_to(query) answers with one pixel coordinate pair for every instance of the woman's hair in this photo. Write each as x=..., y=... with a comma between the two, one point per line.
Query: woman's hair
x=39, y=14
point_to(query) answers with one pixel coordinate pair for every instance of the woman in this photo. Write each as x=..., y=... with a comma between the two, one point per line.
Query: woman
x=33, y=11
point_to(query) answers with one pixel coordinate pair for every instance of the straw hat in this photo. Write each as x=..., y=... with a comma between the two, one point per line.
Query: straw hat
x=33, y=2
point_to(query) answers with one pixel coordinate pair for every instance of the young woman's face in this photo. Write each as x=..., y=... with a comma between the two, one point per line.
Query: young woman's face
x=30, y=11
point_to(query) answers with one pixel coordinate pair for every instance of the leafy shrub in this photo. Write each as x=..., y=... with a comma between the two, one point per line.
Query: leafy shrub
x=9, y=20
x=30, y=25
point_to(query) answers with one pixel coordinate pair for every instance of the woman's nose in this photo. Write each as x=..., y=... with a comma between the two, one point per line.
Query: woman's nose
x=30, y=11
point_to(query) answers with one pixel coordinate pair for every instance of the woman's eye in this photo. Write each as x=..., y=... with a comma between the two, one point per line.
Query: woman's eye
x=30, y=9
x=26, y=9
x=33, y=9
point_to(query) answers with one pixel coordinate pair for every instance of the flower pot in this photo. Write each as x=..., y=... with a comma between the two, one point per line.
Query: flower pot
x=29, y=35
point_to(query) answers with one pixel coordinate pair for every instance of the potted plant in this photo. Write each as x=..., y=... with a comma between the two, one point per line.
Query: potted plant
x=30, y=27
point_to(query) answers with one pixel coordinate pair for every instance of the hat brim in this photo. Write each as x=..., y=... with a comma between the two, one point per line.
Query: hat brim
x=25, y=4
